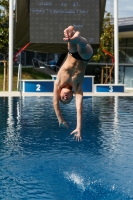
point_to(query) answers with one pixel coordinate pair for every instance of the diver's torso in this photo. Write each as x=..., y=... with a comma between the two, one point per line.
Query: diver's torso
x=72, y=72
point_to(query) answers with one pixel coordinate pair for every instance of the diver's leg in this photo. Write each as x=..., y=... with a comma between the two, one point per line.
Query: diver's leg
x=84, y=49
x=77, y=43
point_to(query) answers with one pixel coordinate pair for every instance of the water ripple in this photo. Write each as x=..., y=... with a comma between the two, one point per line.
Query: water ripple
x=39, y=160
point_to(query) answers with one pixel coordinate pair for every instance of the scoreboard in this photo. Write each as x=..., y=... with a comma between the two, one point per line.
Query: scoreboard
x=48, y=19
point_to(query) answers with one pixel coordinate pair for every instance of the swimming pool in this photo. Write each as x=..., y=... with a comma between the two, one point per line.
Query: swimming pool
x=39, y=160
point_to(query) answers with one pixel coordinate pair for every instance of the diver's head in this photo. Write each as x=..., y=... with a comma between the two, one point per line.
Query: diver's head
x=66, y=94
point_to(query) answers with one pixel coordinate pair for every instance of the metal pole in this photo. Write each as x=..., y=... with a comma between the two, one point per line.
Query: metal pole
x=116, y=42
x=10, y=74
x=4, y=80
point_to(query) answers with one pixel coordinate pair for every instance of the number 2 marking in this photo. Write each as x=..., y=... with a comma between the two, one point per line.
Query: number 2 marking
x=38, y=87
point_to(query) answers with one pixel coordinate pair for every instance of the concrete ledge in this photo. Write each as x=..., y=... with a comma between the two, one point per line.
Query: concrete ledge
x=108, y=94
x=18, y=94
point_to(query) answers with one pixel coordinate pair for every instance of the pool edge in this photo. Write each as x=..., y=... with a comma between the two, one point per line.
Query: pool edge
x=18, y=94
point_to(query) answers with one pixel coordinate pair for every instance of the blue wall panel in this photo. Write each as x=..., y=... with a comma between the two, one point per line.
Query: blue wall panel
x=87, y=85
x=110, y=88
x=37, y=86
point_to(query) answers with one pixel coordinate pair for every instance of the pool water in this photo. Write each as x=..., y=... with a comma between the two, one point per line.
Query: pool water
x=39, y=160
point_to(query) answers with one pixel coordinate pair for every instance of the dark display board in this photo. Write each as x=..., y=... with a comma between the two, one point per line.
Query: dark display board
x=48, y=19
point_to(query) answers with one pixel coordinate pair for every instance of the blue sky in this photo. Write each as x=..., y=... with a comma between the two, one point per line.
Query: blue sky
x=125, y=8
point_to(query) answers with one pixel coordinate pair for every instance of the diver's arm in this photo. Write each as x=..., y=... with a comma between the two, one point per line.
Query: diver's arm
x=79, y=100
x=56, y=105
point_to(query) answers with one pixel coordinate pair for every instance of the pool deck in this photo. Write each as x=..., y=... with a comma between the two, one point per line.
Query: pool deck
x=18, y=94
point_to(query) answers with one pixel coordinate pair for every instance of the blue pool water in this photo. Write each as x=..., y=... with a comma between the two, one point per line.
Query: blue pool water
x=39, y=160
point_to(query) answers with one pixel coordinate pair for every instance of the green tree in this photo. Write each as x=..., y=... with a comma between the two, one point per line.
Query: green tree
x=105, y=52
x=106, y=41
x=4, y=35
x=4, y=27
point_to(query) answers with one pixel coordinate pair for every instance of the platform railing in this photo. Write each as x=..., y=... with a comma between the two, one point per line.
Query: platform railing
x=38, y=64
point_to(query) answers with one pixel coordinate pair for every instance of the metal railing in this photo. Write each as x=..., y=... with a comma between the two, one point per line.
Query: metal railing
x=19, y=88
x=39, y=64
x=36, y=64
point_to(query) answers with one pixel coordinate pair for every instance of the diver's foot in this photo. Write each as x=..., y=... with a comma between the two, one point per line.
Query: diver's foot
x=73, y=37
x=69, y=32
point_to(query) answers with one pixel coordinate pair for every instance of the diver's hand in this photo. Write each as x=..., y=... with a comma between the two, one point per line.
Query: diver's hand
x=77, y=135
x=63, y=124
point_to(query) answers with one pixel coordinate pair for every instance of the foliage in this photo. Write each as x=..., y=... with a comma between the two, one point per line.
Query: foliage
x=106, y=41
x=4, y=27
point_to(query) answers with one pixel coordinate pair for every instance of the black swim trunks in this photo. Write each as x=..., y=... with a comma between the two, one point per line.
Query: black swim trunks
x=77, y=56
